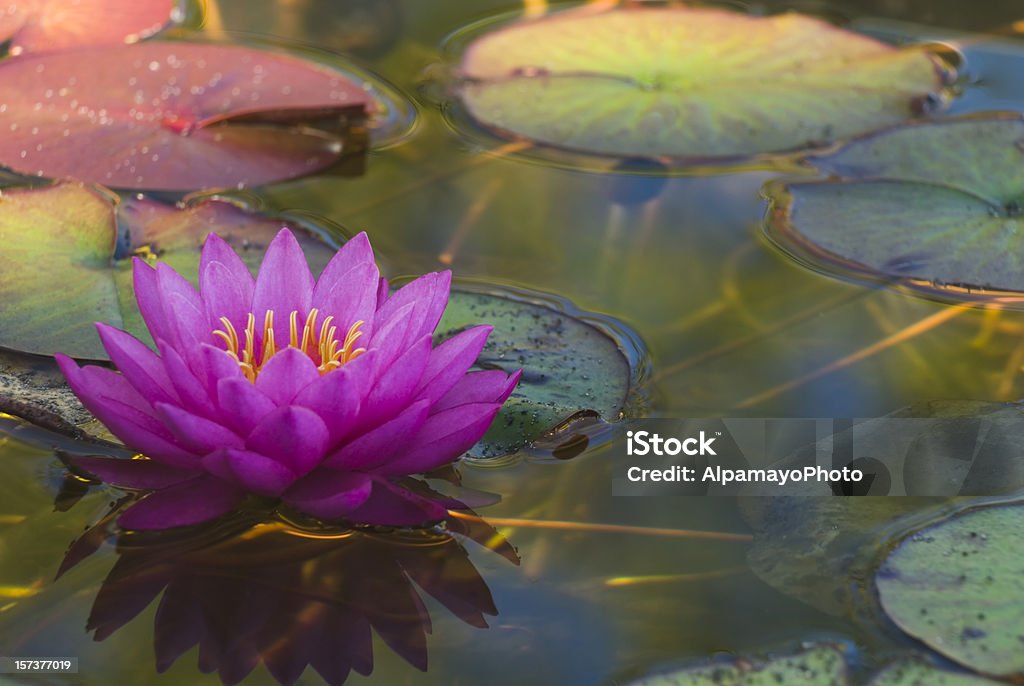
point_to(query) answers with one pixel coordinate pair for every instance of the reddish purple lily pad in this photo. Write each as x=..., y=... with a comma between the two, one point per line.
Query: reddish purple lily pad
x=55, y=25
x=175, y=116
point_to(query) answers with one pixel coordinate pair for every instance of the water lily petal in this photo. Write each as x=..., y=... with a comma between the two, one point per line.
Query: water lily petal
x=336, y=398
x=377, y=445
x=392, y=505
x=328, y=494
x=190, y=502
x=354, y=253
x=285, y=374
x=241, y=405
x=389, y=340
x=492, y=385
x=352, y=298
x=342, y=286
x=396, y=385
x=225, y=284
x=122, y=410
x=292, y=435
x=443, y=437
x=429, y=293
x=192, y=393
x=383, y=291
x=147, y=295
x=138, y=363
x=259, y=473
x=197, y=433
x=450, y=360
x=186, y=320
x=216, y=463
x=284, y=284
x=141, y=474
x=216, y=364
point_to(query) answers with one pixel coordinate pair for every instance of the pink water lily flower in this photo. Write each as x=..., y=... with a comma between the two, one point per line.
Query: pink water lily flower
x=322, y=393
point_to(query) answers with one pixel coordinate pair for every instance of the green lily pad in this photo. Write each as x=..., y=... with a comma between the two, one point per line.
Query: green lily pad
x=939, y=206
x=815, y=665
x=958, y=585
x=918, y=673
x=812, y=548
x=86, y=238
x=690, y=82
x=573, y=363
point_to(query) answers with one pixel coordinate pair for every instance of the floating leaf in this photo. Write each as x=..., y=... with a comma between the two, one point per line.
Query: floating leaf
x=690, y=82
x=52, y=25
x=34, y=388
x=958, y=585
x=810, y=548
x=174, y=116
x=570, y=365
x=815, y=665
x=938, y=205
x=918, y=673
x=77, y=233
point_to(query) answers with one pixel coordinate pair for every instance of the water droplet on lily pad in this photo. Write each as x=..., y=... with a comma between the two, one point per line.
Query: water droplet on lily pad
x=33, y=26
x=177, y=116
x=679, y=82
x=956, y=587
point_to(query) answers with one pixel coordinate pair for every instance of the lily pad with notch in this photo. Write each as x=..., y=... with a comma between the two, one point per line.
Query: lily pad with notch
x=690, y=83
x=938, y=206
x=578, y=369
x=956, y=586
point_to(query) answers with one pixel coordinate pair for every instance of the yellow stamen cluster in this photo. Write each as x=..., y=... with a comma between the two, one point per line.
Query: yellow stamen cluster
x=324, y=348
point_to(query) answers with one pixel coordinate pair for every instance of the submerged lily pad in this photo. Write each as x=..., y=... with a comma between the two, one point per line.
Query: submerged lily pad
x=815, y=665
x=571, y=365
x=918, y=673
x=690, y=82
x=52, y=25
x=958, y=585
x=83, y=238
x=937, y=205
x=175, y=116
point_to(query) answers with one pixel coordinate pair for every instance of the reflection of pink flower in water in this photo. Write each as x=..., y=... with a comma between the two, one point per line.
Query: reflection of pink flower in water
x=320, y=393
x=276, y=596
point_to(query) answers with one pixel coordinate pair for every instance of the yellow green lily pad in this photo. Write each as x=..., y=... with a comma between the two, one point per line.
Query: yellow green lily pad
x=919, y=673
x=820, y=664
x=573, y=363
x=690, y=82
x=958, y=587
x=938, y=206
x=66, y=262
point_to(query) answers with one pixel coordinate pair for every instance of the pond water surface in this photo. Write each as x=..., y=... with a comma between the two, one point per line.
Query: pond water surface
x=733, y=328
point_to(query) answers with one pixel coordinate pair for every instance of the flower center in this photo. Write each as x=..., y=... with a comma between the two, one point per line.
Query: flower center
x=324, y=347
